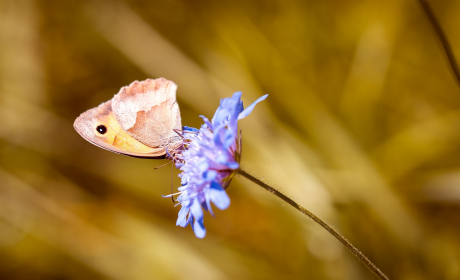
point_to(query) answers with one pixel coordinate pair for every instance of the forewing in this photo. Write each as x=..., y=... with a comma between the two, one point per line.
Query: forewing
x=148, y=111
x=115, y=139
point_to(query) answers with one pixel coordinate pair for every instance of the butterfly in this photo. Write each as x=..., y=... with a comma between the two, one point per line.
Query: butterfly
x=141, y=120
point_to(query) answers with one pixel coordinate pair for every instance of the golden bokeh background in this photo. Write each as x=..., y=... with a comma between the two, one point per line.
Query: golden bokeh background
x=361, y=126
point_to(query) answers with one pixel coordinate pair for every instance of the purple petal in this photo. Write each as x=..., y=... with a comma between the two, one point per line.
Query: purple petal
x=233, y=165
x=218, y=196
x=210, y=175
x=205, y=206
x=208, y=207
x=227, y=108
x=198, y=228
x=249, y=109
x=190, y=129
x=229, y=139
x=182, y=217
x=196, y=210
x=206, y=121
x=237, y=97
x=220, y=114
x=203, y=166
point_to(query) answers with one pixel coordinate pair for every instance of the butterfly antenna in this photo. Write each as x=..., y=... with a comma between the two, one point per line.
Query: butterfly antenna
x=172, y=188
x=158, y=167
x=179, y=132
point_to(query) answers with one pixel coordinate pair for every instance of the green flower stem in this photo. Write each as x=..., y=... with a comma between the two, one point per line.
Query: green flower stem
x=322, y=223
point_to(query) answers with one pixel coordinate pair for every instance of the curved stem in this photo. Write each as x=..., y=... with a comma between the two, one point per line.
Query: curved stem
x=442, y=38
x=322, y=223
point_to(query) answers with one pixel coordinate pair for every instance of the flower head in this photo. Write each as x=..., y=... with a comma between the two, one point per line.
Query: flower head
x=208, y=161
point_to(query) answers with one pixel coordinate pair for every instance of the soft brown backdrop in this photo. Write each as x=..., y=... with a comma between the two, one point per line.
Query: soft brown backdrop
x=362, y=126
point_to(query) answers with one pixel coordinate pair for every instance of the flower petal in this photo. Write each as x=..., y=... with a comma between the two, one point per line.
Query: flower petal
x=249, y=109
x=210, y=175
x=218, y=196
x=190, y=129
x=182, y=217
x=229, y=107
x=198, y=228
x=196, y=210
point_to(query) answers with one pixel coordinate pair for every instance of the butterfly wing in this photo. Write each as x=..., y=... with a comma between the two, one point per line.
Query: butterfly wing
x=148, y=111
x=100, y=127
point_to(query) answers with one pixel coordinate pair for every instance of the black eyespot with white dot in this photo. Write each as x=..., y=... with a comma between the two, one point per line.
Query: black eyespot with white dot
x=101, y=129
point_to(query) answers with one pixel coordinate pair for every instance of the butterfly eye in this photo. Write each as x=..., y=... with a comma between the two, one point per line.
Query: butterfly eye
x=101, y=129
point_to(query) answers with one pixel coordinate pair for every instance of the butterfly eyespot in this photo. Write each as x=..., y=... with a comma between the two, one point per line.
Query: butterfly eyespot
x=101, y=129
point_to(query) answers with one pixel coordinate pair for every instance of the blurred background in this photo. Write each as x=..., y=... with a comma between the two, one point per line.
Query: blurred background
x=361, y=126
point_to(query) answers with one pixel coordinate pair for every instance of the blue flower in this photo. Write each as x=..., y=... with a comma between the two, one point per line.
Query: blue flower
x=208, y=161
